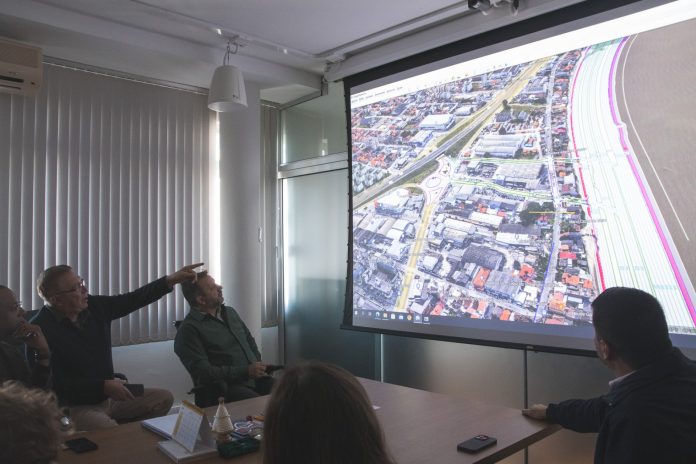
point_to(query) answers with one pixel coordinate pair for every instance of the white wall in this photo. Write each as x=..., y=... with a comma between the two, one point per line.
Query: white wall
x=154, y=365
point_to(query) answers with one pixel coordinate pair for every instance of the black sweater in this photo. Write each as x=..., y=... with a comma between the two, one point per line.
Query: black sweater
x=648, y=417
x=14, y=366
x=81, y=353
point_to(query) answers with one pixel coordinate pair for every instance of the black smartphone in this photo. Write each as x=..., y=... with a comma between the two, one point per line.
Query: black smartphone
x=273, y=367
x=81, y=445
x=479, y=442
x=136, y=389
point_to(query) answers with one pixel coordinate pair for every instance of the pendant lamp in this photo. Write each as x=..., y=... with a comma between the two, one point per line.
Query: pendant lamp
x=227, y=92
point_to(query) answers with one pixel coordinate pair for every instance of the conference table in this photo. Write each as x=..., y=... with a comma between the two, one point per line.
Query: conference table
x=419, y=426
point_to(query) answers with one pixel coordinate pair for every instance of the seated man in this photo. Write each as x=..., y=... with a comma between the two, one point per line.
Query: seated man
x=216, y=347
x=649, y=414
x=16, y=335
x=78, y=329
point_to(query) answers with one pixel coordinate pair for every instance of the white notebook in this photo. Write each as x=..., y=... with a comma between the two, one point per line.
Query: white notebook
x=179, y=454
x=189, y=430
x=163, y=426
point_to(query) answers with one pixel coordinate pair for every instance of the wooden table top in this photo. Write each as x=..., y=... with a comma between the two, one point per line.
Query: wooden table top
x=419, y=426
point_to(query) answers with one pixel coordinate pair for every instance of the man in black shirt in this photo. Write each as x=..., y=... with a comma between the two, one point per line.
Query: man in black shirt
x=78, y=328
x=649, y=414
x=16, y=336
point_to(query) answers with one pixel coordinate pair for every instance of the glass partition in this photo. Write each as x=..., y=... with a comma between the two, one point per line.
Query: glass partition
x=315, y=128
x=315, y=235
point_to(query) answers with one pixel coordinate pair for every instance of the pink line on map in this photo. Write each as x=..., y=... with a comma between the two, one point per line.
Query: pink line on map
x=643, y=189
x=582, y=180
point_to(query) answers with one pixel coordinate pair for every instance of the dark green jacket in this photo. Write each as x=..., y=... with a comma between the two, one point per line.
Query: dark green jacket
x=212, y=350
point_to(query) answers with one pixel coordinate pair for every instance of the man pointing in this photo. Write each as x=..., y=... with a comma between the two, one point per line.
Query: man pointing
x=77, y=326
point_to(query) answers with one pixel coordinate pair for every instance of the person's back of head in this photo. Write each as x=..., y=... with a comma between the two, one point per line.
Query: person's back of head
x=633, y=323
x=29, y=432
x=319, y=413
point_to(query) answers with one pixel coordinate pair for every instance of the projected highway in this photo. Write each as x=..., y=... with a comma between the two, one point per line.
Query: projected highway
x=515, y=194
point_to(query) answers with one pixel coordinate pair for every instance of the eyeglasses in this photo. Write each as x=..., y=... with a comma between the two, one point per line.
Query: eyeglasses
x=77, y=288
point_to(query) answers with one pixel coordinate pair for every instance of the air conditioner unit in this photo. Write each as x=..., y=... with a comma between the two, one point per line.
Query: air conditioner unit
x=21, y=68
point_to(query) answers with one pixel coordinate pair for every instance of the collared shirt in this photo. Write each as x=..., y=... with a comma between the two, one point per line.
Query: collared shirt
x=80, y=322
x=214, y=349
x=81, y=352
x=654, y=404
x=618, y=380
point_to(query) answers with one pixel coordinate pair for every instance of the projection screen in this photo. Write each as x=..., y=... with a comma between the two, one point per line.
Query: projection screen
x=494, y=198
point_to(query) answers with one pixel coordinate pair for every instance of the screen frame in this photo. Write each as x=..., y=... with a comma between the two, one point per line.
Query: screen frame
x=571, y=17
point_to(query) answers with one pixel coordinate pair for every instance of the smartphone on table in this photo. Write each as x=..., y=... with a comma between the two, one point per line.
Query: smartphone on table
x=81, y=445
x=476, y=444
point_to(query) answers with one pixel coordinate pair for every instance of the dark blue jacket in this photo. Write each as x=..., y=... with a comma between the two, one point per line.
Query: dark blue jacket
x=648, y=417
x=81, y=353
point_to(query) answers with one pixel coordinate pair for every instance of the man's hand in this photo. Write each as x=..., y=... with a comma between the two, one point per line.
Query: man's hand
x=537, y=411
x=183, y=274
x=34, y=337
x=257, y=370
x=117, y=391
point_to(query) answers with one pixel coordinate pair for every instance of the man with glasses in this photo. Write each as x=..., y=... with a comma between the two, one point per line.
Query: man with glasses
x=649, y=414
x=17, y=337
x=78, y=329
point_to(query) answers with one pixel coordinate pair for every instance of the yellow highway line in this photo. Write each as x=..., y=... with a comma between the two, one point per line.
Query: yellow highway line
x=413, y=259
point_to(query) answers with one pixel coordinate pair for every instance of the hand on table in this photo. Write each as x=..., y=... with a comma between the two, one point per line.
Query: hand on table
x=537, y=411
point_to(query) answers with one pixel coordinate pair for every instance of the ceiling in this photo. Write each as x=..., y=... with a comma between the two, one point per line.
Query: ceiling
x=286, y=44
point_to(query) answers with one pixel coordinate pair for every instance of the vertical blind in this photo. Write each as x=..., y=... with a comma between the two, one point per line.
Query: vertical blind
x=110, y=176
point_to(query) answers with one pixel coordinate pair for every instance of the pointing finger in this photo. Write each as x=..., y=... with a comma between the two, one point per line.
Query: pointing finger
x=191, y=266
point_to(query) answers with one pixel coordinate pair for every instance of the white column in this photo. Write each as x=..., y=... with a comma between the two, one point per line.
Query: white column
x=240, y=212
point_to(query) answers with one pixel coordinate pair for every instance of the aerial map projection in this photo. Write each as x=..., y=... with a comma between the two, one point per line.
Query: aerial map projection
x=518, y=191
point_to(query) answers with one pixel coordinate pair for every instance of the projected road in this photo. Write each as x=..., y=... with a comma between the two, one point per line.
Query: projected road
x=633, y=241
x=511, y=195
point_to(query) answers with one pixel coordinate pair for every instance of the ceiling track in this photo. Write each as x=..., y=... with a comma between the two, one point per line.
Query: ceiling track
x=389, y=34
x=52, y=61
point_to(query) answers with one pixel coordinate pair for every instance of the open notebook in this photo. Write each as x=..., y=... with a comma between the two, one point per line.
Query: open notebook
x=188, y=433
x=163, y=426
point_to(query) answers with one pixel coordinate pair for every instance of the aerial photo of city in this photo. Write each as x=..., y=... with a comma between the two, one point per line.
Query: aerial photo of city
x=495, y=196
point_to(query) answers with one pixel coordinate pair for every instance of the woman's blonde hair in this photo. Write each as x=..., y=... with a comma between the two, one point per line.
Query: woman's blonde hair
x=29, y=430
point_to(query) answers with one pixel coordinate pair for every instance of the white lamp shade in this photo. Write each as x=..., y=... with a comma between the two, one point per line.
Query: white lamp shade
x=227, y=92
